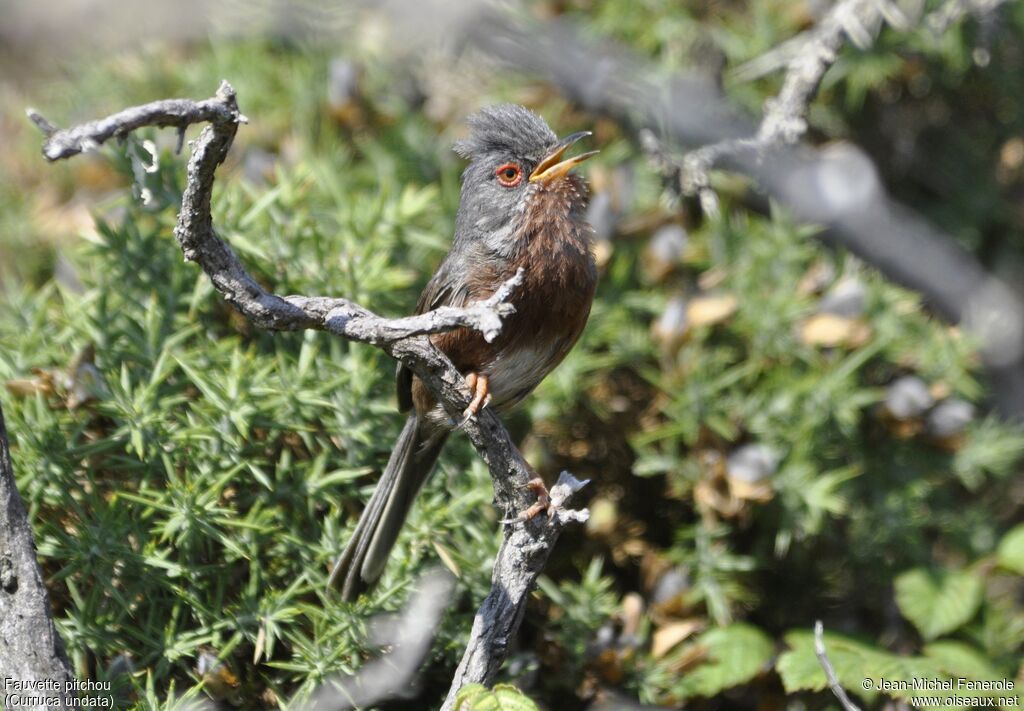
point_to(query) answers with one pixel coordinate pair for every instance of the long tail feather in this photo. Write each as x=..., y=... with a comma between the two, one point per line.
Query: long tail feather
x=363, y=560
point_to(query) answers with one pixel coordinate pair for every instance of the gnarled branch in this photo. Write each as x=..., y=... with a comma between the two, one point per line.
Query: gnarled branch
x=526, y=545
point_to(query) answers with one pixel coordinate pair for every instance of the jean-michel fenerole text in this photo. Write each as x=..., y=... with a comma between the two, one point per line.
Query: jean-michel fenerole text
x=939, y=684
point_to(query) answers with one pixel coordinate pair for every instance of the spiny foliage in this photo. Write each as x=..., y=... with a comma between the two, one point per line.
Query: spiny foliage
x=192, y=477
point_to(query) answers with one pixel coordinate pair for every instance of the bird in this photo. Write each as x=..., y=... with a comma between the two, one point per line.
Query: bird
x=520, y=206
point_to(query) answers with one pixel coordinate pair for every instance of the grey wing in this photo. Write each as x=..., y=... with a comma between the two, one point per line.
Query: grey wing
x=441, y=290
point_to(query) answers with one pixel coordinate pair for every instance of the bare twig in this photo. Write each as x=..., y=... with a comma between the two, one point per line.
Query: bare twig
x=784, y=121
x=946, y=15
x=830, y=672
x=807, y=58
x=32, y=657
x=171, y=112
x=526, y=546
x=784, y=115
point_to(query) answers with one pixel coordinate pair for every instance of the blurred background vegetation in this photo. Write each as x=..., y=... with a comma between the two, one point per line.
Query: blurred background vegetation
x=775, y=433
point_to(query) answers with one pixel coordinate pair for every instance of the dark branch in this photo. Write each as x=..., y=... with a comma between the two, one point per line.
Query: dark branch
x=32, y=650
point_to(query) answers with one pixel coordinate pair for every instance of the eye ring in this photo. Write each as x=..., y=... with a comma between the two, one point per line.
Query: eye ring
x=509, y=175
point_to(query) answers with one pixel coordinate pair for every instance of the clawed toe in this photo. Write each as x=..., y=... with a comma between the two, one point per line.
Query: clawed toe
x=543, y=503
x=478, y=384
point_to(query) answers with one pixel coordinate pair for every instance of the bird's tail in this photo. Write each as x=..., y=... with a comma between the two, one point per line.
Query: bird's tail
x=412, y=460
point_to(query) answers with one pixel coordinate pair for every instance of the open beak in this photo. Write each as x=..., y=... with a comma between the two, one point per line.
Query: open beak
x=553, y=167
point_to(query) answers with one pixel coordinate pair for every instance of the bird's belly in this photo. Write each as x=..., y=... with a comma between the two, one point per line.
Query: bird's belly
x=514, y=372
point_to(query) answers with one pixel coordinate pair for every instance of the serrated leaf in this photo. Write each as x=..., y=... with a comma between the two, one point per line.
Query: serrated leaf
x=1011, y=550
x=959, y=659
x=853, y=661
x=858, y=663
x=735, y=655
x=938, y=602
x=503, y=697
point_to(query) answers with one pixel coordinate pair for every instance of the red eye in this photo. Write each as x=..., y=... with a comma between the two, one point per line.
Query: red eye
x=509, y=175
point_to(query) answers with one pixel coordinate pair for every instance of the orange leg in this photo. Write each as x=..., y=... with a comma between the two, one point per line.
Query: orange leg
x=477, y=382
x=536, y=485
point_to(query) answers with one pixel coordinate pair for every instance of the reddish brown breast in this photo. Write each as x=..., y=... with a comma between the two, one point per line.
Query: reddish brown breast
x=552, y=304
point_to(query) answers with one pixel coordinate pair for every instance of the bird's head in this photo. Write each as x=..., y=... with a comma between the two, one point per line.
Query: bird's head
x=517, y=167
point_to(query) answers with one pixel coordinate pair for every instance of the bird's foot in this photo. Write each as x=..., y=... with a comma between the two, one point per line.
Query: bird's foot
x=553, y=503
x=477, y=383
x=542, y=504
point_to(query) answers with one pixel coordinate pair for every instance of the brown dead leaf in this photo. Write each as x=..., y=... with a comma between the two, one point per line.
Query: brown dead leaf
x=1011, y=161
x=97, y=175
x=817, y=277
x=634, y=547
x=219, y=679
x=664, y=251
x=951, y=444
x=903, y=429
x=689, y=658
x=652, y=566
x=712, y=278
x=24, y=387
x=830, y=330
x=668, y=636
x=641, y=223
x=709, y=310
x=940, y=390
x=609, y=667
x=760, y=491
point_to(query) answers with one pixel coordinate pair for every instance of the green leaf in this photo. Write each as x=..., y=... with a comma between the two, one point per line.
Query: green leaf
x=852, y=660
x=938, y=602
x=735, y=655
x=959, y=659
x=503, y=697
x=1011, y=550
